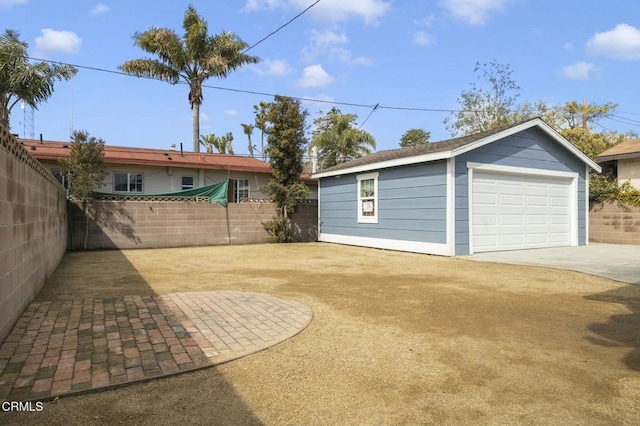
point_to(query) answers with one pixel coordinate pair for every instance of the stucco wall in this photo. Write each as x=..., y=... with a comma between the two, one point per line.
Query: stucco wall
x=33, y=228
x=629, y=171
x=154, y=224
x=609, y=223
x=168, y=179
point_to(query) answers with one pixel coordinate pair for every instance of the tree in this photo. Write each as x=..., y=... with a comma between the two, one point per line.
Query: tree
x=576, y=123
x=260, y=111
x=414, y=137
x=23, y=81
x=221, y=143
x=191, y=59
x=209, y=142
x=85, y=170
x=488, y=103
x=337, y=139
x=286, y=142
x=248, y=130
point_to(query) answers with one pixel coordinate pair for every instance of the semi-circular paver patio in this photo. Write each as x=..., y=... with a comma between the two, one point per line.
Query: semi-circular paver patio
x=68, y=347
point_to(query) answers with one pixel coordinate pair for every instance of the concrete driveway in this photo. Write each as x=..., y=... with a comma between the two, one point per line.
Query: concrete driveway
x=615, y=261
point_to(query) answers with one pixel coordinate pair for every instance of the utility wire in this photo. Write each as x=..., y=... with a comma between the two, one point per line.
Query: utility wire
x=281, y=27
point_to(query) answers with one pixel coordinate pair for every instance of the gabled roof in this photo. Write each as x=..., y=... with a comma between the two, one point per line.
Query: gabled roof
x=49, y=150
x=446, y=149
x=626, y=149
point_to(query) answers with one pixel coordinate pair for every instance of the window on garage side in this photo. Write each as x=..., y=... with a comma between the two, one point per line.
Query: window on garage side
x=187, y=182
x=128, y=182
x=368, y=198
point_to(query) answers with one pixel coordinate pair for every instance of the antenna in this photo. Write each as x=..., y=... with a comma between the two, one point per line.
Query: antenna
x=27, y=122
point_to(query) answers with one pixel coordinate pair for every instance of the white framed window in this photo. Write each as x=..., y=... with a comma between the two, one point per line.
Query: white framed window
x=240, y=188
x=368, y=198
x=128, y=182
x=187, y=182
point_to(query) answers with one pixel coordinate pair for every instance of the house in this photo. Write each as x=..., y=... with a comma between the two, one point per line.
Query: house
x=518, y=187
x=622, y=162
x=136, y=171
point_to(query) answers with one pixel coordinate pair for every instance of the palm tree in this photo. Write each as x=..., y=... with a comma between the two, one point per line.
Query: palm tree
x=22, y=81
x=191, y=59
x=248, y=130
x=208, y=141
x=338, y=140
x=261, y=111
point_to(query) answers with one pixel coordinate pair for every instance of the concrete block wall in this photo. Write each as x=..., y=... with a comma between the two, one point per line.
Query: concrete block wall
x=33, y=228
x=155, y=224
x=610, y=223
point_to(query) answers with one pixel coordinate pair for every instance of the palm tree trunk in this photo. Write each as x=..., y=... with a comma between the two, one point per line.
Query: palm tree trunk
x=195, y=106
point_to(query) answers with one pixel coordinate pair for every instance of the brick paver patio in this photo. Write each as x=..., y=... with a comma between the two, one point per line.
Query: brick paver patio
x=67, y=347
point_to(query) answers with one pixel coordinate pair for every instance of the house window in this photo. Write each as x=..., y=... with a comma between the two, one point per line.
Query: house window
x=368, y=198
x=127, y=182
x=61, y=177
x=187, y=182
x=240, y=188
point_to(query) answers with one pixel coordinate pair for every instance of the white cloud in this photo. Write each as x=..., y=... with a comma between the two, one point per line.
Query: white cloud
x=327, y=44
x=204, y=117
x=370, y=11
x=578, y=71
x=273, y=68
x=622, y=42
x=315, y=76
x=422, y=39
x=474, y=12
x=52, y=41
x=9, y=3
x=568, y=45
x=99, y=9
x=230, y=112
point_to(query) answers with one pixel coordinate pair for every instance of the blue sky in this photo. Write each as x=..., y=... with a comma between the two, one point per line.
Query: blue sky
x=395, y=53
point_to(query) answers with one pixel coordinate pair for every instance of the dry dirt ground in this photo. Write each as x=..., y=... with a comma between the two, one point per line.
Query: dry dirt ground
x=396, y=338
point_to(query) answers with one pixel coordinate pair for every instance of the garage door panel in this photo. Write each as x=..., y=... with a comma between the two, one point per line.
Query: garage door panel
x=513, y=211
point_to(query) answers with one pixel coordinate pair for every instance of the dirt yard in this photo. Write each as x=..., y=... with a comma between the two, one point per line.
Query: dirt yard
x=396, y=338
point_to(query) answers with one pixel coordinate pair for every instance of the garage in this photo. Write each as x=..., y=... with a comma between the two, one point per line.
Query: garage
x=518, y=187
x=520, y=211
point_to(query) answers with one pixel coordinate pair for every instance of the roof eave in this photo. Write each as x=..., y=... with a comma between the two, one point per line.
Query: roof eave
x=524, y=126
x=466, y=148
x=403, y=161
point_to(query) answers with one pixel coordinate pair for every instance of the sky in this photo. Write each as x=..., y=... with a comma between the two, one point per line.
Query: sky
x=411, y=58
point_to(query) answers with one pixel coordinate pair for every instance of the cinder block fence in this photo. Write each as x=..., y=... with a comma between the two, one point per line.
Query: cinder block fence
x=610, y=223
x=33, y=228
x=158, y=224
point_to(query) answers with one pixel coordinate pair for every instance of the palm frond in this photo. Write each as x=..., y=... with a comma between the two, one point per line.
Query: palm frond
x=151, y=68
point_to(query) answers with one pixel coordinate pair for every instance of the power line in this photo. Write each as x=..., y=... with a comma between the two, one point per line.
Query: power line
x=281, y=26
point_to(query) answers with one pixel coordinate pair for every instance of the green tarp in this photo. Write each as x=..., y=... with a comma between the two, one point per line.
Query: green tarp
x=217, y=193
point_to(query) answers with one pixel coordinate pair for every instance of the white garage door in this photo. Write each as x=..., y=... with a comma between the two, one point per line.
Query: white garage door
x=515, y=211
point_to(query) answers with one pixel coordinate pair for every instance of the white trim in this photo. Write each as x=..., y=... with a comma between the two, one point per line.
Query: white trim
x=470, y=206
x=573, y=192
x=451, y=206
x=524, y=126
x=376, y=206
x=520, y=170
x=424, y=158
x=319, y=204
x=382, y=243
x=586, y=206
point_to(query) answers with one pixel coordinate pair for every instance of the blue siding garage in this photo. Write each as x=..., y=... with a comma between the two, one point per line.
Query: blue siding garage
x=522, y=186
